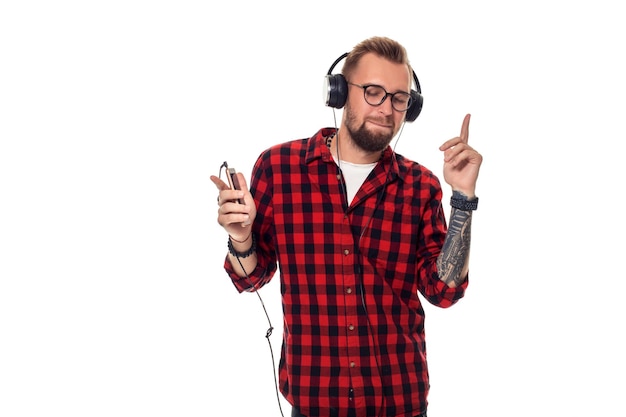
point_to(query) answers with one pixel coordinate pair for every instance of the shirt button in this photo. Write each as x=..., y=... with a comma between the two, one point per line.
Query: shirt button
x=349, y=290
x=351, y=327
x=352, y=365
x=346, y=251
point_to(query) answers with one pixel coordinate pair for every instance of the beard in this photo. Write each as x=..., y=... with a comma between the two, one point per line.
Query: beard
x=366, y=139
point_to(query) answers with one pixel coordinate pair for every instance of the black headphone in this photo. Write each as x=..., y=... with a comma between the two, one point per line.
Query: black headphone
x=336, y=92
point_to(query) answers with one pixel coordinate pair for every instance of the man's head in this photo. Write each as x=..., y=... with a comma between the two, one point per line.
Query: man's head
x=376, y=69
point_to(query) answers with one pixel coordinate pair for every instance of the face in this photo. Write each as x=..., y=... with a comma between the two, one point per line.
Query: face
x=372, y=127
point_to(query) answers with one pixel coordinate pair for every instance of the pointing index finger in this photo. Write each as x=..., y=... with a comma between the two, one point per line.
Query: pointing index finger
x=465, y=129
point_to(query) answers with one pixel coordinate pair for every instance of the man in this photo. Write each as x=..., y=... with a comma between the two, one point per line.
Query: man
x=357, y=232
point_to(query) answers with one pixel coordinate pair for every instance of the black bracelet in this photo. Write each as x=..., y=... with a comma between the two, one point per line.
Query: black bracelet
x=245, y=254
x=460, y=201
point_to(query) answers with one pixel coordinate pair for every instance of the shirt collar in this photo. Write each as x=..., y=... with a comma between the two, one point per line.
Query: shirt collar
x=317, y=149
x=317, y=146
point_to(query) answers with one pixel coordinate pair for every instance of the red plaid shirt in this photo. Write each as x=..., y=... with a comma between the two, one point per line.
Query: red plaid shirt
x=350, y=277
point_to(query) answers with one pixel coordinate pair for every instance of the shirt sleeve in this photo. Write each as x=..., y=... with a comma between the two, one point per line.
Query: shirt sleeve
x=261, y=189
x=432, y=236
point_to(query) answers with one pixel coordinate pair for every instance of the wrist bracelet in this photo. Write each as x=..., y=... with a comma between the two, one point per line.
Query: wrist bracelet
x=240, y=241
x=460, y=201
x=245, y=254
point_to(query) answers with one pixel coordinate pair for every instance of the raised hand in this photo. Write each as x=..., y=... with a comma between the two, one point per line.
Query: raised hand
x=461, y=162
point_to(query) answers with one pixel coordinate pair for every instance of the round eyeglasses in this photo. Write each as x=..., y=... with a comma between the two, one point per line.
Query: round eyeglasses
x=375, y=95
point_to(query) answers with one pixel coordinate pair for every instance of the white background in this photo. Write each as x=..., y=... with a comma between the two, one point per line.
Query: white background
x=113, y=300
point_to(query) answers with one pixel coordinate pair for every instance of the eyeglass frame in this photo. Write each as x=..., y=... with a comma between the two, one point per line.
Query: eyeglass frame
x=387, y=94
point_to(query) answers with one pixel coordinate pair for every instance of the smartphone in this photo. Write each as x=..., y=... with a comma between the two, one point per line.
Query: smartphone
x=233, y=182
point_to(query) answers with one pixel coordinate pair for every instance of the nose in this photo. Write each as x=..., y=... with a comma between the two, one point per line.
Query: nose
x=386, y=107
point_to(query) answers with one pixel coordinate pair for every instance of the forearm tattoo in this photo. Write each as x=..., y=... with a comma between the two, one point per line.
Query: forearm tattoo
x=455, y=252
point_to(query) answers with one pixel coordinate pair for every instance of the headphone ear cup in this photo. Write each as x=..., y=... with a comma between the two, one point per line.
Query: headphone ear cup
x=415, y=108
x=336, y=90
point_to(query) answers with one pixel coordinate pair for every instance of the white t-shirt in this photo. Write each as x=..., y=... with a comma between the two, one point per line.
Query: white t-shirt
x=355, y=175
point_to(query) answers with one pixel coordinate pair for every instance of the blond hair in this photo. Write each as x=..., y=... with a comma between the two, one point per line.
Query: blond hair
x=381, y=46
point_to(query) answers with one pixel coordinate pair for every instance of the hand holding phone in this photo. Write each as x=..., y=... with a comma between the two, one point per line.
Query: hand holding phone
x=229, y=215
